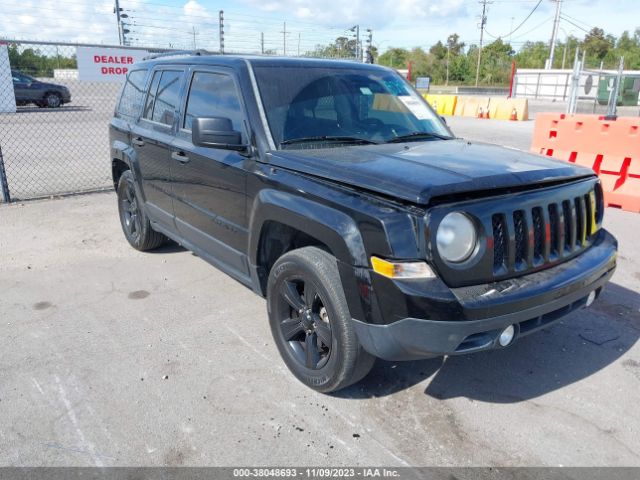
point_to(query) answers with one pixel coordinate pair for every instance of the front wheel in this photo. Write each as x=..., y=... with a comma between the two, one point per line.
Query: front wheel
x=310, y=321
x=52, y=100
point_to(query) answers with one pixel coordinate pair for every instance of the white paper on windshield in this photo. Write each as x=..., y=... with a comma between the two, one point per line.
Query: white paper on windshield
x=416, y=107
x=365, y=91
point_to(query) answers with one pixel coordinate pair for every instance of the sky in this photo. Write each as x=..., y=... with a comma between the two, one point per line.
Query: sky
x=398, y=23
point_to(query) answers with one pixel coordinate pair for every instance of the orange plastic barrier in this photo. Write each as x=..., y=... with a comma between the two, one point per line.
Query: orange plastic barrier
x=610, y=147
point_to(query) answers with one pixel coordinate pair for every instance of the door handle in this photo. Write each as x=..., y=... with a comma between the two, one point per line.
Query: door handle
x=180, y=157
x=138, y=141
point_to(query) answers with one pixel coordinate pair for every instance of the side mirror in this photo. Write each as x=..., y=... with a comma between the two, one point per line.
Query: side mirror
x=216, y=132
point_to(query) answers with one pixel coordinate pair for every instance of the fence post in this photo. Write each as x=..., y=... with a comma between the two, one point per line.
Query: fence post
x=4, y=185
x=612, y=108
x=575, y=84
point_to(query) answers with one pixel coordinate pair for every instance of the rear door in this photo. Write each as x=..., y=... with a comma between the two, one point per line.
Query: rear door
x=210, y=183
x=152, y=137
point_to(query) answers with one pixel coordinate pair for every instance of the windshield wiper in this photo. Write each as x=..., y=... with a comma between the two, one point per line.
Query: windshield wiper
x=329, y=138
x=418, y=136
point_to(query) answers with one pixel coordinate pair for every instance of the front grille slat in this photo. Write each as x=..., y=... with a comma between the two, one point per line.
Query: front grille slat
x=538, y=235
x=555, y=232
x=532, y=237
x=521, y=238
x=581, y=222
x=500, y=241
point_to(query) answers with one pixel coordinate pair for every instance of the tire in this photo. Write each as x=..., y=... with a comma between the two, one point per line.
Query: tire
x=319, y=345
x=135, y=224
x=52, y=100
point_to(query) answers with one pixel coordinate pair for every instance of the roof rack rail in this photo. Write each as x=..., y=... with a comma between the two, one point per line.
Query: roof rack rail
x=176, y=53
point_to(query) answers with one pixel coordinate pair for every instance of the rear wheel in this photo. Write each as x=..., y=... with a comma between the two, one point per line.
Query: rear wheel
x=310, y=321
x=135, y=224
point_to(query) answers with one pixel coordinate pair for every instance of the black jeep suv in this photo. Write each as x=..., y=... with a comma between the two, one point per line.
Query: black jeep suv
x=332, y=189
x=30, y=90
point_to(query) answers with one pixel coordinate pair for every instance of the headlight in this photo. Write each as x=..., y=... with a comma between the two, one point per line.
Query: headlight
x=456, y=237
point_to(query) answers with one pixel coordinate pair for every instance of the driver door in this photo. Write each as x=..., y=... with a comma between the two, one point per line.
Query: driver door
x=210, y=183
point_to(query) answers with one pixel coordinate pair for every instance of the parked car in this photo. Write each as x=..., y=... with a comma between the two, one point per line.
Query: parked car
x=30, y=90
x=332, y=189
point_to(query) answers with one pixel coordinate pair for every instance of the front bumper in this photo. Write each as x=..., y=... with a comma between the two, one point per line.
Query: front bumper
x=481, y=312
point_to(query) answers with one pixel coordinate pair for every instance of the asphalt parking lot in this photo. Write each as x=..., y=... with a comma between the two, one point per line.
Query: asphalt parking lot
x=115, y=357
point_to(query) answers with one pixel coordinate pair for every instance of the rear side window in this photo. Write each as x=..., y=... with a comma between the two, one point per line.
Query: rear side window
x=213, y=95
x=164, y=94
x=148, y=106
x=132, y=95
x=167, y=97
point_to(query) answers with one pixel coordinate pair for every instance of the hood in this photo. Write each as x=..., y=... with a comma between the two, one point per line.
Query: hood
x=418, y=172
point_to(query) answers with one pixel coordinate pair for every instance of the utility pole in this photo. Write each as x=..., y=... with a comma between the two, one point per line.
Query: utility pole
x=284, y=38
x=221, y=25
x=446, y=82
x=554, y=34
x=483, y=22
x=356, y=30
x=262, y=43
x=511, y=29
x=117, y=11
x=298, y=43
x=194, y=37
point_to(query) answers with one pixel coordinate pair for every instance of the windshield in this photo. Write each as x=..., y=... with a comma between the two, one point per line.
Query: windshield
x=338, y=105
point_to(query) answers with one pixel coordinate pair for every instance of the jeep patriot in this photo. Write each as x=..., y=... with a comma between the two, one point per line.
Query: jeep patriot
x=333, y=190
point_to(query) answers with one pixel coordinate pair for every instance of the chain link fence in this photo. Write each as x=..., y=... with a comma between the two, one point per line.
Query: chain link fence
x=582, y=90
x=54, y=139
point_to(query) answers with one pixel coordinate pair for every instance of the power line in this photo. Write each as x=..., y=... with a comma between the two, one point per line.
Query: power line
x=521, y=23
x=589, y=34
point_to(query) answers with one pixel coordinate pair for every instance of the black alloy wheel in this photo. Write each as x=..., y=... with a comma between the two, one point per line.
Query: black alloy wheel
x=305, y=322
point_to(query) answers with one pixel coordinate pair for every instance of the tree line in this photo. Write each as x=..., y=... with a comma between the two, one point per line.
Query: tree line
x=453, y=62
x=34, y=62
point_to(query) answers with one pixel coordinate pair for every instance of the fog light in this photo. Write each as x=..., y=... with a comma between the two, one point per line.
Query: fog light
x=591, y=298
x=507, y=336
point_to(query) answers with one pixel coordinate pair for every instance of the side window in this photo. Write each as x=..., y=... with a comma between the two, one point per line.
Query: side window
x=132, y=94
x=167, y=97
x=19, y=78
x=148, y=106
x=213, y=95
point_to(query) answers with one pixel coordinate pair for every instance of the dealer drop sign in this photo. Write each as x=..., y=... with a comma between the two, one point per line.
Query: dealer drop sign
x=96, y=64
